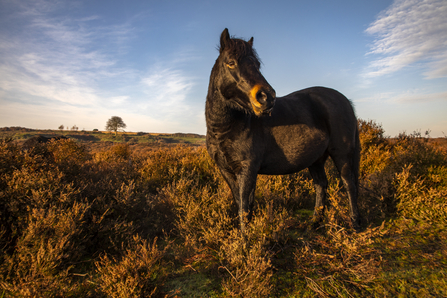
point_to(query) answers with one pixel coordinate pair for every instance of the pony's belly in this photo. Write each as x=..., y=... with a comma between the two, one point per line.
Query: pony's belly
x=290, y=155
x=281, y=169
x=277, y=165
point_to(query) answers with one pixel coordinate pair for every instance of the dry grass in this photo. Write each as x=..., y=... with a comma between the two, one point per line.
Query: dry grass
x=123, y=221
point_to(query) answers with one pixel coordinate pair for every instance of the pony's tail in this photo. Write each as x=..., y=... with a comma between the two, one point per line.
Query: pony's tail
x=356, y=163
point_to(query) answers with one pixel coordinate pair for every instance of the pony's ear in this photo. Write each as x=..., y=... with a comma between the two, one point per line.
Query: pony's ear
x=224, y=40
x=250, y=42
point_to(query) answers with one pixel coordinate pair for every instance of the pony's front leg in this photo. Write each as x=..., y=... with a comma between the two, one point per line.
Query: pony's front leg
x=243, y=188
x=247, y=187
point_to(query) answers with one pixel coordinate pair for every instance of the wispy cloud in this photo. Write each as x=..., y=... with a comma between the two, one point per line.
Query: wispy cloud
x=412, y=96
x=410, y=31
x=53, y=61
x=57, y=57
x=166, y=89
x=420, y=97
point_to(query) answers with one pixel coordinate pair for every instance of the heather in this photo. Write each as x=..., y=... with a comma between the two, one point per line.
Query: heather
x=83, y=220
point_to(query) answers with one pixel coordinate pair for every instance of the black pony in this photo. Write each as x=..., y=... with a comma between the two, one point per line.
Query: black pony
x=250, y=131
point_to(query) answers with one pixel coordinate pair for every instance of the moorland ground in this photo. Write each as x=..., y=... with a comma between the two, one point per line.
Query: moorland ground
x=144, y=215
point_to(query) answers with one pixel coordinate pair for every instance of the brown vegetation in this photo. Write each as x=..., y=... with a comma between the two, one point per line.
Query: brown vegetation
x=120, y=222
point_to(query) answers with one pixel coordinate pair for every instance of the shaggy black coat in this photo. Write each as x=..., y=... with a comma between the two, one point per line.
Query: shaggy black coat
x=250, y=131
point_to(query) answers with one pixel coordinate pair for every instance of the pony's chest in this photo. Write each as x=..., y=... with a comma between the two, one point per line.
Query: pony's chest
x=230, y=153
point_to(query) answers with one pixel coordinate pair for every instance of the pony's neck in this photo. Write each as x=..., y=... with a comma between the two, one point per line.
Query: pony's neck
x=218, y=114
x=221, y=117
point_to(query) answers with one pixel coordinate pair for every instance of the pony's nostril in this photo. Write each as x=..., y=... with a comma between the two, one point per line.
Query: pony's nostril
x=261, y=97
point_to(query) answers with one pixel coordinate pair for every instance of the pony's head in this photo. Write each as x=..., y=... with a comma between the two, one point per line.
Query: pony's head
x=239, y=78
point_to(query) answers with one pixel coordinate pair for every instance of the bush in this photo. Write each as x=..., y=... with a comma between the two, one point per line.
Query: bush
x=136, y=274
x=417, y=200
x=248, y=266
x=46, y=251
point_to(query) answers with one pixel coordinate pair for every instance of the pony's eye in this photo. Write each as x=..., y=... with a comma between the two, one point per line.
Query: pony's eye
x=231, y=64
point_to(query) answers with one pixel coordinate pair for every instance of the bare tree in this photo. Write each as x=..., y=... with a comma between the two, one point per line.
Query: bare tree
x=61, y=128
x=115, y=123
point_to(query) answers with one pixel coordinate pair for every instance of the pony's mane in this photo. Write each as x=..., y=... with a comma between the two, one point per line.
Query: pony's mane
x=239, y=48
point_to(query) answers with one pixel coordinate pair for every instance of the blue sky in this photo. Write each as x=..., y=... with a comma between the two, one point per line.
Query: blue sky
x=81, y=62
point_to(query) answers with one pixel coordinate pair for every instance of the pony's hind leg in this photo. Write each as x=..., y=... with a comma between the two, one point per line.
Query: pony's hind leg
x=348, y=169
x=320, y=183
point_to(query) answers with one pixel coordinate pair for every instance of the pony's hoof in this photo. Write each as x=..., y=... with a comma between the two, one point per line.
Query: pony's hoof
x=317, y=222
x=356, y=225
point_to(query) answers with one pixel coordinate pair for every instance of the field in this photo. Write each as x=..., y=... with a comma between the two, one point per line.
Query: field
x=136, y=216
x=92, y=138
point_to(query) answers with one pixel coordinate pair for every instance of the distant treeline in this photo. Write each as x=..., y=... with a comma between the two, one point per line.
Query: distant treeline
x=16, y=128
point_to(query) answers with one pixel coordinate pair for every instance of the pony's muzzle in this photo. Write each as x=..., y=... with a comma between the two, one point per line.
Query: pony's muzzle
x=263, y=100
